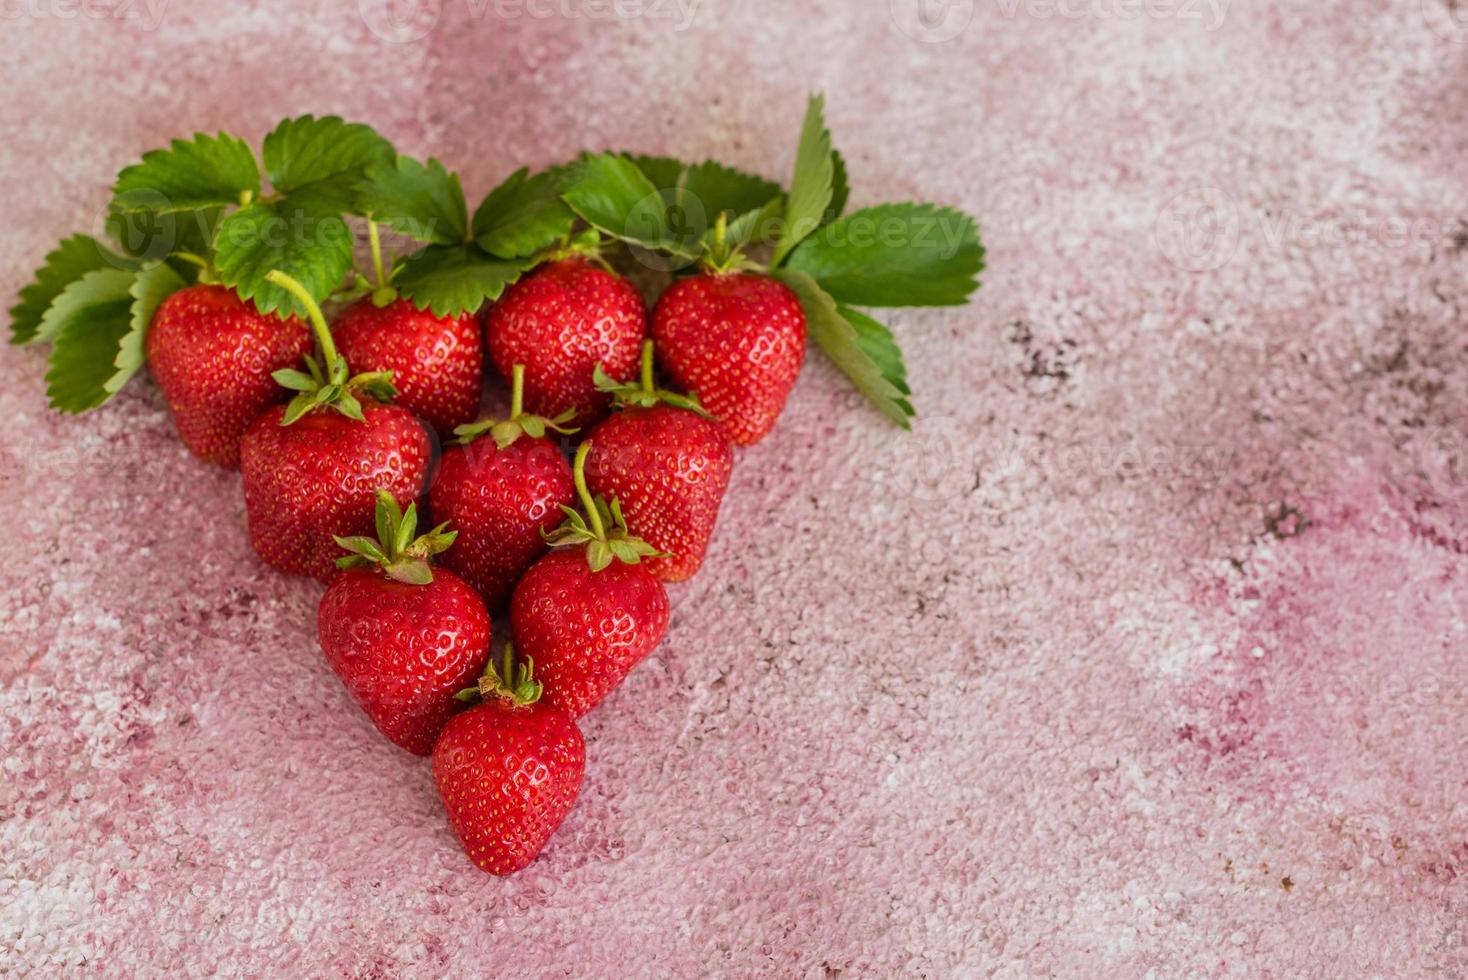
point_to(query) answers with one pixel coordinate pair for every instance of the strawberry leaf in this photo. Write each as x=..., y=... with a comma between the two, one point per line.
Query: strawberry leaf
x=895, y=255
x=840, y=190
x=310, y=246
x=845, y=346
x=149, y=288
x=92, y=317
x=72, y=259
x=664, y=172
x=422, y=201
x=150, y=235
x=450, y=280
x=811, y=188
x=876, y=340
x=522, y=216
x=716, y=188
x=614, y=196
x=207, y=171
x=322, y=159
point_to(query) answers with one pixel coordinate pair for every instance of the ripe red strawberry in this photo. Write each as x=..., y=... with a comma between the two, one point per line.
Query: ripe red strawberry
x=560, y=322
x=736, y=338
x=311, y=469
x=587, y=616
x=508, y=770
x=212, y=355
x=668, y=463
x=501, y=494
x=403, y=638
x=436, y=362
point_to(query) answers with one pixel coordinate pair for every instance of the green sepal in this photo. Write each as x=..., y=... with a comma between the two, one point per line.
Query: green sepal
x=631, y=393
x=508, y=680
x=506, y=432
x=399, y=551
x=332, y=388
x=615, y=543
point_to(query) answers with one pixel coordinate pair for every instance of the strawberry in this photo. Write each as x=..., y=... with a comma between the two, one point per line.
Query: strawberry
x=738, y=339
x=311, y=469
x=509, y=769
x=668, y=463
x=212, y=355
x=588, y=615
x=403, y=637
x=502, y=494
x=436, y=362
x=560, y=322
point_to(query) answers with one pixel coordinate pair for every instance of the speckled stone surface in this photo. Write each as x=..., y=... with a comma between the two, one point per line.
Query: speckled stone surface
x=1146, y=654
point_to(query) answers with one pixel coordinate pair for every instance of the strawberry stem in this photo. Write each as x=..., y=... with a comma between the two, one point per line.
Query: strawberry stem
x=517, y=391
x=318, y=322
x=647, y=366
x=375, y=238
x=578, y=473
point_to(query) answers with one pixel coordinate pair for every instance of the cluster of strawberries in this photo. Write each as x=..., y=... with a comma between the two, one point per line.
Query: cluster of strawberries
x=342, y=466
x=342, y=431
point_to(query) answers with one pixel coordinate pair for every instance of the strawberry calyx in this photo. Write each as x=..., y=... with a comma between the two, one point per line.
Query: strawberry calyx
x=643, y=393
x=509, y=680
x=400, y=553
x=586, y=243
x=603, y=530
x=506, y=431
x=721, y=256
x=329, y=382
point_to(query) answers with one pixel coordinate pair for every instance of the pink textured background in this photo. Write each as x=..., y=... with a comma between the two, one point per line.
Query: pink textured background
x=1145, y=655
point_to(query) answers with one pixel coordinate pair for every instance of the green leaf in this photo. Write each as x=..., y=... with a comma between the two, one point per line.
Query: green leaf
x=895, y=255
x=841, y=343
x=311, y=247
x=450, y=280
x=423, y=201
x=522, y=216
x=152, y=235
x=206, y=171
x=72, y=259
x=92, y=317
x=663, y=172
x=97, y=286
x=753, y=226
x=719, y=188
x=840, y=190
x=322, y=159
x=613, y=195
x=876, y=341
x=811, y=187
x=149, y=288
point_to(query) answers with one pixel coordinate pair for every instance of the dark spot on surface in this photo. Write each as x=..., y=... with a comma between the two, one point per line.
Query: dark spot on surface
x=1459, y=236
x=1284, y=520
x=1287, y=883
